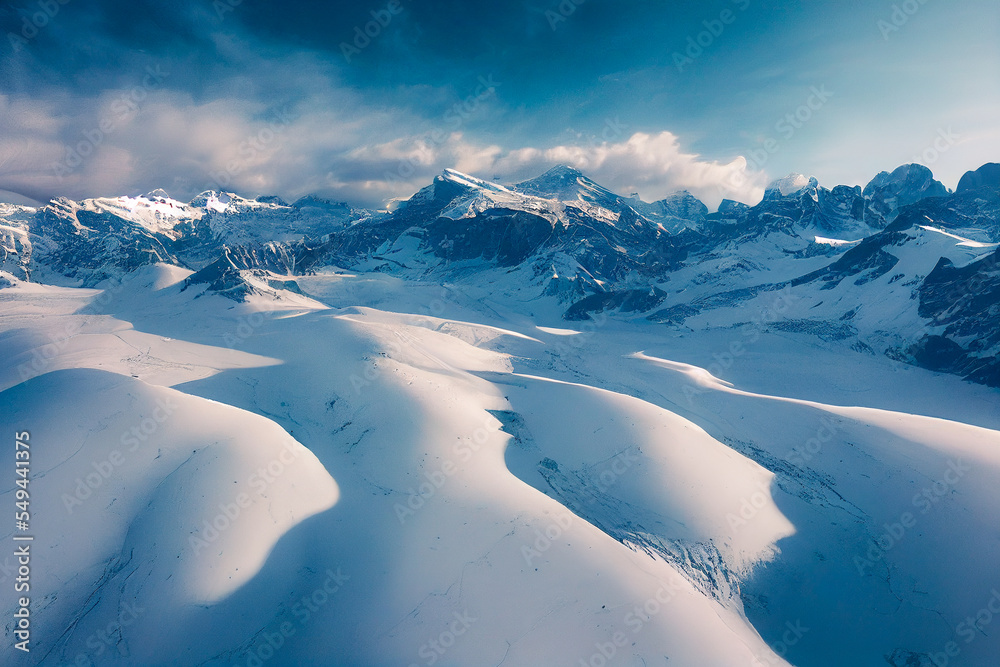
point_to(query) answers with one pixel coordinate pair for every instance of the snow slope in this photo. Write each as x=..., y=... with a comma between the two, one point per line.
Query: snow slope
x=537, y=424
x=465, y=483
x=465, y=547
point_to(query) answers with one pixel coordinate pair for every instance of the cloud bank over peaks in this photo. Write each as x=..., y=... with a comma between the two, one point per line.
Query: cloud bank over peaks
x=134, y=140
x=652, y=165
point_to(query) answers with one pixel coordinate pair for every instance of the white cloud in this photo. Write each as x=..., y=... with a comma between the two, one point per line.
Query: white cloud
x=327, y=139
x=653, y=165
x=321, y=144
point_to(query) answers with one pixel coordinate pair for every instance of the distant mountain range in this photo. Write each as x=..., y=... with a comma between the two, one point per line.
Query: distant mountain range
x=902, y=267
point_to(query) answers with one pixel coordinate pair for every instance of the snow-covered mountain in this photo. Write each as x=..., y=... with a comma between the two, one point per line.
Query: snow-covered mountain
x=563, y=236
x=83, y=243
x=528, y=424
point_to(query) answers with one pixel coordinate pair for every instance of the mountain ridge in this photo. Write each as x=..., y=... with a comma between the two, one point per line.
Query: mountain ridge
x=562, y=236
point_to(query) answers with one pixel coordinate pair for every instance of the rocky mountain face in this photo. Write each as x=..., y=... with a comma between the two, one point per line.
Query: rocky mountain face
x=963, y=303
x=901, y=267
x=85, y=243
x=986, y=176
x=889, y=193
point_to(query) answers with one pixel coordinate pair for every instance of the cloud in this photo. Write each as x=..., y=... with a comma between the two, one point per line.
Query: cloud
x=295, y=126
x=652, y=165
x=146, y=135
x=261, y=100
x=256, y=117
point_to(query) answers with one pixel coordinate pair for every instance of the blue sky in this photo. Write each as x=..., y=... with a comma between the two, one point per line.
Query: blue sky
x=111, y=97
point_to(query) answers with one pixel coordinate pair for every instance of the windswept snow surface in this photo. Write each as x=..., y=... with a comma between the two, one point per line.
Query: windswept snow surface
x=384, y=473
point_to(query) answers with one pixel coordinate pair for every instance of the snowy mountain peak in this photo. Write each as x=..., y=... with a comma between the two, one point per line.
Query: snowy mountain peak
x=682, y=197
x=566, y=184
x=272, y=199
x=319, y=202
x=158, y=193
x=457, y=177
x=212, y=200
x=789, y=185
x=562, y=171
x=557, y=179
